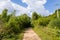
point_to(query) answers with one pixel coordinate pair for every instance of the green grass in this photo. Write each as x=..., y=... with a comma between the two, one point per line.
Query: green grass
x=8, y=39
x=20, y=36
x=46, y=33
x=17, y=37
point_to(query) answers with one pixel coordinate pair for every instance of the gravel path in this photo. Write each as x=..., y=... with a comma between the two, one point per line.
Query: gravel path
x=30, y=35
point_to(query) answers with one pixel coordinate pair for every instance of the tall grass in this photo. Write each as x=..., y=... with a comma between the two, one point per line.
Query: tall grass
x=46, y=33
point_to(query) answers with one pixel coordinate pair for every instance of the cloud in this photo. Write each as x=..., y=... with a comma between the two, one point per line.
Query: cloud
x=33, y=5
x=11, y=6
x=37, y=5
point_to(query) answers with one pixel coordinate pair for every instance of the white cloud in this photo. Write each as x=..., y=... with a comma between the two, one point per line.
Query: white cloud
x=11, y=6
x=37, y=5
x=33, y=5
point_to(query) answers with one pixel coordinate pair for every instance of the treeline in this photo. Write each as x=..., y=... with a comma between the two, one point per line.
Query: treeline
x=47, y=27
x=51, y=20
x=11, y=25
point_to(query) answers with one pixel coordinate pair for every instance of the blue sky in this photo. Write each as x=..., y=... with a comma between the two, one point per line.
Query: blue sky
x=20, y=3
x=50, y=5
x=43, y=7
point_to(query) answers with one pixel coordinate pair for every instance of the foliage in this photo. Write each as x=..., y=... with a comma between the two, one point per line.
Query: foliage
x=46, y=33
x=35, y=16
x=11, y=25
x=41, y=22
x=24, y=21
x=48, y=28
x=55, y=23
x=4, y=15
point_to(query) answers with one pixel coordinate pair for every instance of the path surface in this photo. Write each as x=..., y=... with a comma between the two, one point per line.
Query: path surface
x=30, y=35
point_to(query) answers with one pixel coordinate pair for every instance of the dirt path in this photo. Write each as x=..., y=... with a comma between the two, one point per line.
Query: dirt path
x=30, y=35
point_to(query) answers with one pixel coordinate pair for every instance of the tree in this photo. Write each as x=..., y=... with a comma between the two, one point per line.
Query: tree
x=13, y=25
x=11, y=15
x=35, y=16
x=24, y=21
x=4, y=15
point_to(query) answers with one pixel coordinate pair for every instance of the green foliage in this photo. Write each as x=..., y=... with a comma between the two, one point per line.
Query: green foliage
x=13, y=24
x=2, y=30
x=41, y=22
x=46, y=33
x=35, y=16
x=48, y=28
x=4, y=15
x=24, y=21
x=55, y=23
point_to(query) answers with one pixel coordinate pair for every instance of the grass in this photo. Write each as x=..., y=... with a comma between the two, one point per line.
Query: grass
x=17, y=37
x=46, y=33
x=20, y=36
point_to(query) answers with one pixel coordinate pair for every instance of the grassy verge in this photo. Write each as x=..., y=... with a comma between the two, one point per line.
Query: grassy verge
x=17, y=37
x=47, y=33
x=20, y=36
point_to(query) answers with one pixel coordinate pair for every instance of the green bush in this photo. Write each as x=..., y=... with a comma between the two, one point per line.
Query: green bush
x=4, y=15
x=55, y=23
x=24, y=21
x=35, y=16
x=41, y=22
x=34, y=23
x=3, y=31
x=13, y=25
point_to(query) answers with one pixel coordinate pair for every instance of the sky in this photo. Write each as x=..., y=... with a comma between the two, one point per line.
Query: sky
x=51, y=5
x=43, y=7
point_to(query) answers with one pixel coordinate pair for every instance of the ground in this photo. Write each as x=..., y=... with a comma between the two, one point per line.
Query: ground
x=29, y=34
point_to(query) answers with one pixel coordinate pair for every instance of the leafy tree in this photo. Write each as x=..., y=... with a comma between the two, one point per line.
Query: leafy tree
x=55, y=23
x=35, y=16
x=24, y=21
x=4, y=15
x=11, y=15
x=13, y=25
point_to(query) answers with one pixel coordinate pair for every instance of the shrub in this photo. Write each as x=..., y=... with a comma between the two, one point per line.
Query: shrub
x=35, y=16
x=55, y=23
x=34, y=23
x=41, y=22
x=4, y=15
x=13, y=25
x=3, y=31
x=24, y=21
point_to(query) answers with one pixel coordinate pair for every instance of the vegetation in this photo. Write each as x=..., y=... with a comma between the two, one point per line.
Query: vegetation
x=55, y=23
x=48, y=28
x=12, y=27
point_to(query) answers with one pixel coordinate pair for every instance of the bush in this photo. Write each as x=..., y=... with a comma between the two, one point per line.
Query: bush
x=35, y=16
x=24, y=21
x=4, y=15
x=55, y=23
x=13, y=25
x=41, y=22
x=3, y=31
